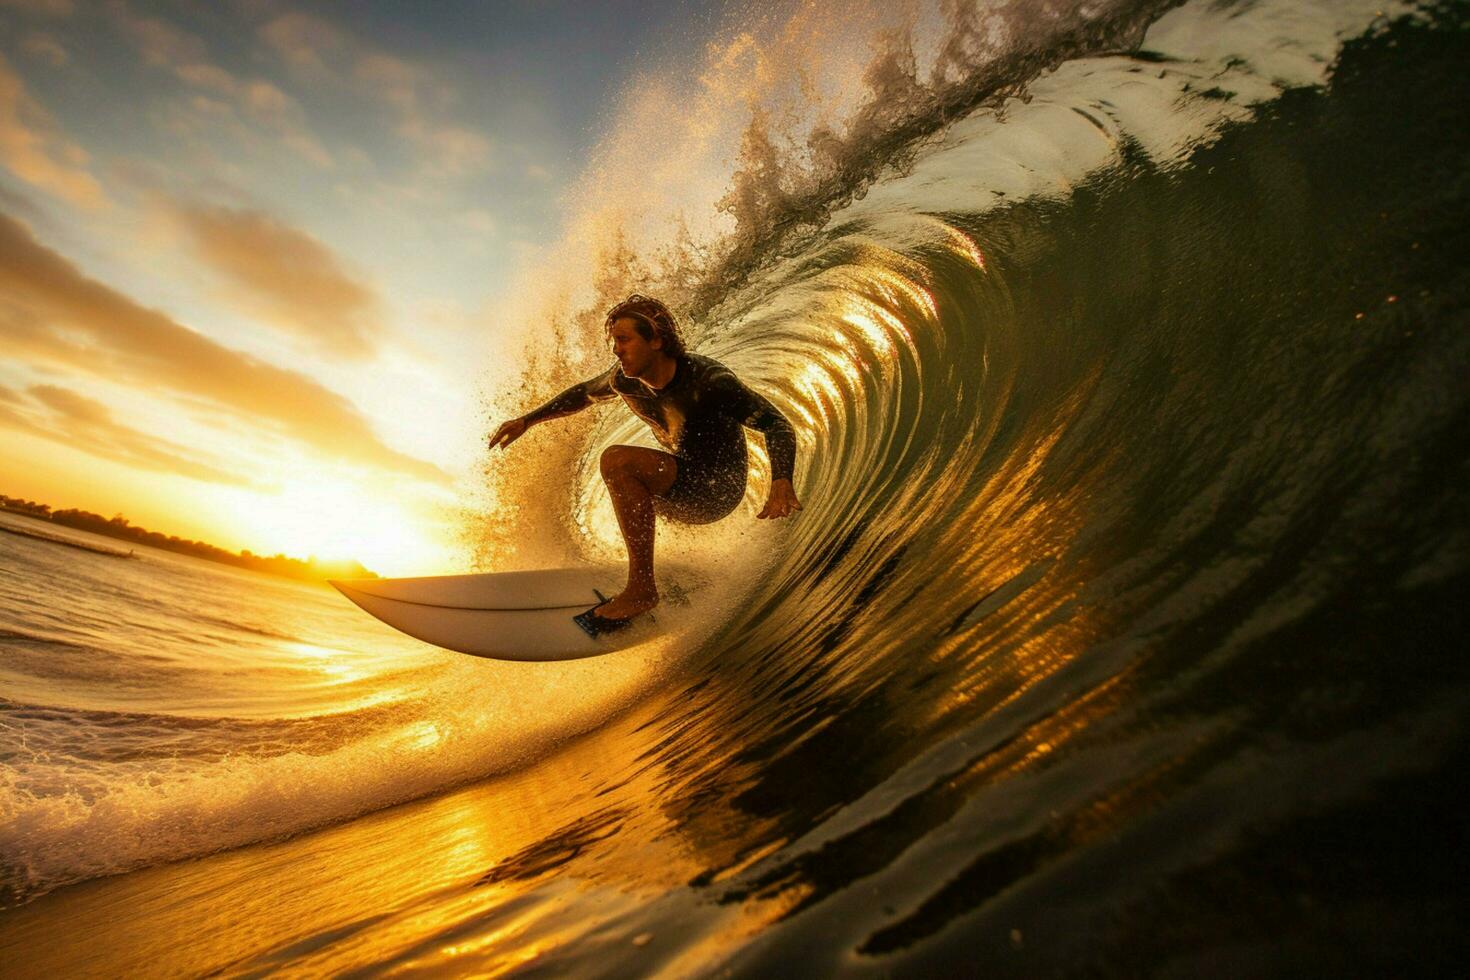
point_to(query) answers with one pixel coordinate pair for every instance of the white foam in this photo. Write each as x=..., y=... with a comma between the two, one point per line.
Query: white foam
x=62, y=822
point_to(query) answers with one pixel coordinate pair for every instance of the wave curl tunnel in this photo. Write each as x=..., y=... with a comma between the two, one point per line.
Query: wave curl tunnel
x=1105, y=489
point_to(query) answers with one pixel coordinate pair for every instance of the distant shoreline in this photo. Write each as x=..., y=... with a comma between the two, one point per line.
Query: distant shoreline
x=21, y=532
x=120, y=529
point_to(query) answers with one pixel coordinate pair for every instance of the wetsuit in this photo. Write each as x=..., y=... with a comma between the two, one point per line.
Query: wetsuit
x=697, y=417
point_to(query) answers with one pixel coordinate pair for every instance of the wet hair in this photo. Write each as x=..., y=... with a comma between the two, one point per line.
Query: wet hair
x=651, y=319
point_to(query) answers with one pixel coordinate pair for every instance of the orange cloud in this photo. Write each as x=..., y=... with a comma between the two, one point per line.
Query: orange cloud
x=87, y=425
x=34, y=150
x=53, y=314
x=287, y=275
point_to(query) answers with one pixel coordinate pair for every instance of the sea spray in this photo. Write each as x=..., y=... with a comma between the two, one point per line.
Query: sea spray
x=688, y=194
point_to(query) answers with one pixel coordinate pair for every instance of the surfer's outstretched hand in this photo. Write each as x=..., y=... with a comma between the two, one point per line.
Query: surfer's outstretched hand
x=782, y=502
x=508, y=433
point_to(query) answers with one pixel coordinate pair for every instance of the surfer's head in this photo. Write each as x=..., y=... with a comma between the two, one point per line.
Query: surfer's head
x=651, y=319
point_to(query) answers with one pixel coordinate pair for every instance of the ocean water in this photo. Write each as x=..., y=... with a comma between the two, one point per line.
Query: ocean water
x=1121, y=634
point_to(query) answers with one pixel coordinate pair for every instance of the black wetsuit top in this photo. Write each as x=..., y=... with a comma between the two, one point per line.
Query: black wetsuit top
x=698, y=417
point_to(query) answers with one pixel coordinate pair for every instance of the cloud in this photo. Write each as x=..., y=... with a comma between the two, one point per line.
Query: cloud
x=302, y=39
x=34, y=149
x=160, y=43
x=396, y=81
x=478, y=220
x=320, y=52
x=87, y=425
x=272, y=107
x=170, y=48
x=51, y=313
x=449, y=151
x=47, y=49
x=287, y=275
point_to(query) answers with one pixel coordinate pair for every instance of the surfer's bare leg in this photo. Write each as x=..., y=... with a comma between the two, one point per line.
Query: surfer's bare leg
x=634, y=476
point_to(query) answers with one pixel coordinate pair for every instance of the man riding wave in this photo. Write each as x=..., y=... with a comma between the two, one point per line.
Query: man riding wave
x=697, y=410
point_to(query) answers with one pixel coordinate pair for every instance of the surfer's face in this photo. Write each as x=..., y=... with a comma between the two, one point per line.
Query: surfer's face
x=633, y=351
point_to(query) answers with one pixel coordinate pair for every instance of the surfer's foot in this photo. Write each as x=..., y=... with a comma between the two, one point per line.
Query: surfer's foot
x=627, y=604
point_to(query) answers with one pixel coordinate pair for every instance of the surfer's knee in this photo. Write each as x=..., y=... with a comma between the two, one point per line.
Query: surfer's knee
x=626, y=465
x=616, y=463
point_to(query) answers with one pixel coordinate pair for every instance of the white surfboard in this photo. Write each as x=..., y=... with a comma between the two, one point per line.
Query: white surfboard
x=513, y=615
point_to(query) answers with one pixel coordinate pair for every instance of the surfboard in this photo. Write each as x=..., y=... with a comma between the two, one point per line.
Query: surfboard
x=523, y=616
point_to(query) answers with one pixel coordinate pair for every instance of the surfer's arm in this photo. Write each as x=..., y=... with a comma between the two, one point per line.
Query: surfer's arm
x=574, y=399
x=569, y=402
x=755, y=411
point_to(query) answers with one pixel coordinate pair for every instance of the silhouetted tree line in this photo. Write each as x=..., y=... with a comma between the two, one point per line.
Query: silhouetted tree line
x=117, y=526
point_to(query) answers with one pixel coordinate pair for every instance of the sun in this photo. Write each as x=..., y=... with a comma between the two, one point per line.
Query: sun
x=339, y=520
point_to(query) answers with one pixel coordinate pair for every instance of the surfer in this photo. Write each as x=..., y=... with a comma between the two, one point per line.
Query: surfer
x=696, y=408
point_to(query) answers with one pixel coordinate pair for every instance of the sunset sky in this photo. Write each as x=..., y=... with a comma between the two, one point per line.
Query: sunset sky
x=252, y=252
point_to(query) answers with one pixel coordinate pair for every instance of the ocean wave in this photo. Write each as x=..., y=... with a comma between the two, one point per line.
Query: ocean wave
x=1121, y=405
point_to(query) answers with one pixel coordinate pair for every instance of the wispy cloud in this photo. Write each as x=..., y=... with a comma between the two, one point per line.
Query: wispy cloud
x=319, y=52
x=286, y=275
x=186, y=55
x=50, y=312
x=86, y=424
x=34, y=149
x=161, y=44
x=47, y=49
x=305, y=42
